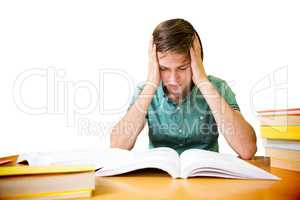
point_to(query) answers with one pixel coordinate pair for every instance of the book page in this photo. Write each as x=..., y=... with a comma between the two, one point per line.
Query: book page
x=71, y=157
x=197, y=162
x=116, y=162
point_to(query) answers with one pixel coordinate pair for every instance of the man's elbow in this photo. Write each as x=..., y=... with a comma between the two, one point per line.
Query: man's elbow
x=248, y=153
x=119, y=142
x=249, y=149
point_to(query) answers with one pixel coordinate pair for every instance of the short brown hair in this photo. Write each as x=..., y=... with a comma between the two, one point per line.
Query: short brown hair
x=175, y=35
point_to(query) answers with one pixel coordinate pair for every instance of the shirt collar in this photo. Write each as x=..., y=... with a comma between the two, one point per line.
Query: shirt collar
x=163, y=96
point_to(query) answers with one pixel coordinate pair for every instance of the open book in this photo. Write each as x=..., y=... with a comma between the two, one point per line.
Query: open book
x=191, y=163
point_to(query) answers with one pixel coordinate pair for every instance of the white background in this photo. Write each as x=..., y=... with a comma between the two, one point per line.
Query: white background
x=253, y=45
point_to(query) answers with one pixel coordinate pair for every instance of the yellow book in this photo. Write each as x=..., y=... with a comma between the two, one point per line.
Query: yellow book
x=27, y=170
x=83, y=193
x=46, y=182
x=280, y=132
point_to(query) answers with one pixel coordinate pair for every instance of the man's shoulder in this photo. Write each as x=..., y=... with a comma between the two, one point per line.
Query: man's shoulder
x=218, y=82
x=215, y=79
x=139, y=88
x=140, y=85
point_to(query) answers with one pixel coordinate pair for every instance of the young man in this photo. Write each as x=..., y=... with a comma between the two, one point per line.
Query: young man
x=184, y=107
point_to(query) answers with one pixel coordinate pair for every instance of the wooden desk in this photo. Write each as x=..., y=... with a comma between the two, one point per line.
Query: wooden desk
x=155, y=184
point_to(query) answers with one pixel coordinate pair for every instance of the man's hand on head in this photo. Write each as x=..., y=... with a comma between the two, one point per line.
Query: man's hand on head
x=153, y=77
x=198, y=71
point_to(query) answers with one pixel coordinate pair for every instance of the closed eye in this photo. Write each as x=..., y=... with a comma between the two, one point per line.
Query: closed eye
x=183, y=68
x=162, y=68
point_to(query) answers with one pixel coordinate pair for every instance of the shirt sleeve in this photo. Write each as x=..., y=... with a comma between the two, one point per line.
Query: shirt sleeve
x=229, y=95
x=137, y=91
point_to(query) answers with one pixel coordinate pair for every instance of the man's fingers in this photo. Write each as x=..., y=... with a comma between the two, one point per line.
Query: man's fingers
x=154, y=53
x=154, y=58
x=196, y=45
x=192, y=53
x=150, y=48
x=196, y=42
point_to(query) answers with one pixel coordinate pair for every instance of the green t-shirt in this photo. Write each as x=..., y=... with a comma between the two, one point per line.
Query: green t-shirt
x=188, y=124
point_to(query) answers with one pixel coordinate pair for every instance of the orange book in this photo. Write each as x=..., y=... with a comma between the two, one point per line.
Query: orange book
x=283, y=154
x=280, y=120
x=8, y=160
x=293, y=165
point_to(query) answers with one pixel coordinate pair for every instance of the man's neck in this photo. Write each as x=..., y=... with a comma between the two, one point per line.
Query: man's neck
x=178, y=98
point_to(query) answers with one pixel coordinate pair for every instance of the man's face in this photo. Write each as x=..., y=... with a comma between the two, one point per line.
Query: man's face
x=175, y=72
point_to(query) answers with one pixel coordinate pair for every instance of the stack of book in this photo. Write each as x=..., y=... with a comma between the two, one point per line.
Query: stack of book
x=280, y=130
x=46, y=182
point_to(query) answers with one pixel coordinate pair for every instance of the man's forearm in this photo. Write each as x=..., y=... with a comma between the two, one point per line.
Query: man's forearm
x=236, y=130
x=124, y=133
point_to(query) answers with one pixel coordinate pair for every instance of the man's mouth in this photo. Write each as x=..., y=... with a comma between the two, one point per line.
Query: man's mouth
x=174, y=88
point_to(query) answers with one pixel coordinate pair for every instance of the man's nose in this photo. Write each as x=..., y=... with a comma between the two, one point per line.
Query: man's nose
x=173, y=78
